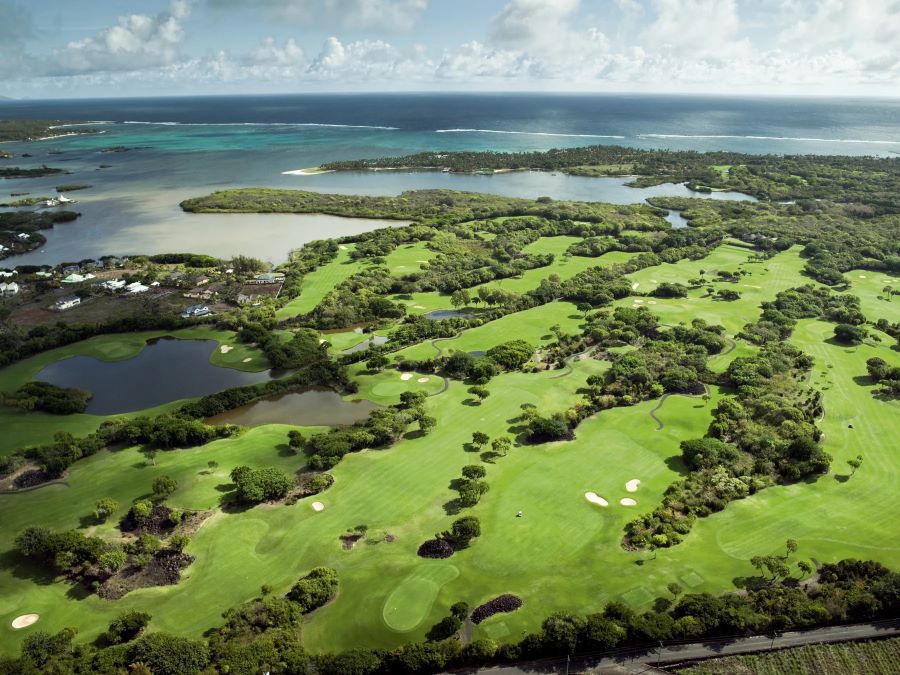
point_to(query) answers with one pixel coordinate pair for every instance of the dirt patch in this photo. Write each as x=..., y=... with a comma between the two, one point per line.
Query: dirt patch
x=163, y=570
x=24, y=621
x=389, y=538
x=30, y=478
x=348, y=541
x=159, y=522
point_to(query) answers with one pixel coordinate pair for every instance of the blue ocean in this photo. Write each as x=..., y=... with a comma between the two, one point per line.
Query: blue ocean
x=189, y=146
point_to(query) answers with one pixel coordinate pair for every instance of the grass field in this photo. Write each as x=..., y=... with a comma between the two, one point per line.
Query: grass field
x=388, y=594
x=878, y=657
x=316, y=284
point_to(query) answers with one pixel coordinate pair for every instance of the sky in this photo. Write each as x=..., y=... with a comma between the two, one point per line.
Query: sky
x=61, y=48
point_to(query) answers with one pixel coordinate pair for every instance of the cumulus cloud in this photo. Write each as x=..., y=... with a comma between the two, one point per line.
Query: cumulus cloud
x=137, y=41
x=695, y=28
x=388, y=15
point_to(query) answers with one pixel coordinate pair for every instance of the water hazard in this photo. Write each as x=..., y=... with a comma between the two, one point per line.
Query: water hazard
x=165, y=370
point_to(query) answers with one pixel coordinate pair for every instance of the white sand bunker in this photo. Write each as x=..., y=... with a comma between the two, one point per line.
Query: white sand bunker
x=418, y=306
x=638, y=301
x=247, y=360
x=632, y=485
x=651, y=302
x=594, y=498
x=421, y=261
x=862, y=276
x=634, y=285
x=343, y=248
x=318, y=506
x=225, y=348
x=422, y=380
x=627, y=501
x=406, y=376
x=25, y=620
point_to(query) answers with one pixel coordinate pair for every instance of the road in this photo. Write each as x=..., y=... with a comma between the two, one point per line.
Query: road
x=678, y=652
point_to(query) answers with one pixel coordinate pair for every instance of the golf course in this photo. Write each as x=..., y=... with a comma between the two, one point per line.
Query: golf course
x=555, y=512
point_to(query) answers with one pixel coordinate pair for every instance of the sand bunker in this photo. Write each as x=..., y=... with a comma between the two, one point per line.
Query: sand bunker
x=632, y=485
x=651, y=302
x=25, y=620
x=247, y=360
x=418, y=306
x=634, y=286
x=343, y=248
x=225, y=348
x=627, y=501
x=862, y=276
x=594, y=498
x=318, y=506
x=406, y=376
x=421, y=261
x=422, y=380
x=638, y=301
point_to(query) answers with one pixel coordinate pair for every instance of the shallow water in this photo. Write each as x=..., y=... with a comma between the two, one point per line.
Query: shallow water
x=376, y=340
x=314, y=407
x=165, y=370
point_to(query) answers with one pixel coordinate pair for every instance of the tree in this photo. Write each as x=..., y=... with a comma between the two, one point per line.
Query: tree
x=427, y=423
x=584, y=308
x=479, y=391
x=474, y=471
x=104, y=508
x=791, y=547
x=805, y=567
x=674, y=588
x=849, y=334
x=315, y=589
x=377, y=362
x=480, y=439
x=460, y=298
x=212, y=465
x=150, y=455
x=888, y=292
x=855, y=463
x=462, y=531
x=127, y=627
x=141, y=510
x=163, y=486
x=258, y=485
x=501, y=445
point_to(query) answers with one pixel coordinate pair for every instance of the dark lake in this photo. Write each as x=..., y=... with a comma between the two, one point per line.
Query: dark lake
x=165, y=370
x=317, y=406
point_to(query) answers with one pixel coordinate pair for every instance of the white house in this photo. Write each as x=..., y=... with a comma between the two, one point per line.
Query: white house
x=112, y=285
x=269, y=278
x=77, y=278
x=5, y=274
x=137, y=287
x=24, y=236
x=11, y=288
x=195, y=311
x=66, y=302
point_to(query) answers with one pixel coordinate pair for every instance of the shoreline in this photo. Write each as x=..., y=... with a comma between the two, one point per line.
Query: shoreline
x=311, y=171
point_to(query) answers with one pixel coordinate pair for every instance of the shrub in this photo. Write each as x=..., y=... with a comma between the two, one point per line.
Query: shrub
x=315, y=589
x=502, y=603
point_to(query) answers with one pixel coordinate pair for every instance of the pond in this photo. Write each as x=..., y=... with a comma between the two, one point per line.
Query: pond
x=443, y=314
x=317, y=406
x=371, y=341
x=166, y=370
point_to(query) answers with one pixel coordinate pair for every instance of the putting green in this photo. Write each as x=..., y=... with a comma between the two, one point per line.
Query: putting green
x=410, y=602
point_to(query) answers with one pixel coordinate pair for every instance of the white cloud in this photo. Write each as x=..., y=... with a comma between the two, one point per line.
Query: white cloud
x=387, y=15
x=869, y=29
x=137, y=41
x=695, y=28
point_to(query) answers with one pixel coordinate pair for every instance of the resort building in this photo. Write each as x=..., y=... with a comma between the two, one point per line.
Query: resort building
x=268, y=278
x=194, y=311
x=137, y=287
x=11, y=288
x=66, y=302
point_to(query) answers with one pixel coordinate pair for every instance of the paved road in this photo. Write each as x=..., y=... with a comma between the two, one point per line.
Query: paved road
x=674, y=653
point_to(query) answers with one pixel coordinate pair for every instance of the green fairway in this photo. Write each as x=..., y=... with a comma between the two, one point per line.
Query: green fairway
x=408, y=258
x=316, y=284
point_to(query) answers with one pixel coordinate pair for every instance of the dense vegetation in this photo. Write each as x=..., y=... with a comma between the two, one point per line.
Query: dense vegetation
x=870, y=180
x=264, y=634
x=29, y=130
